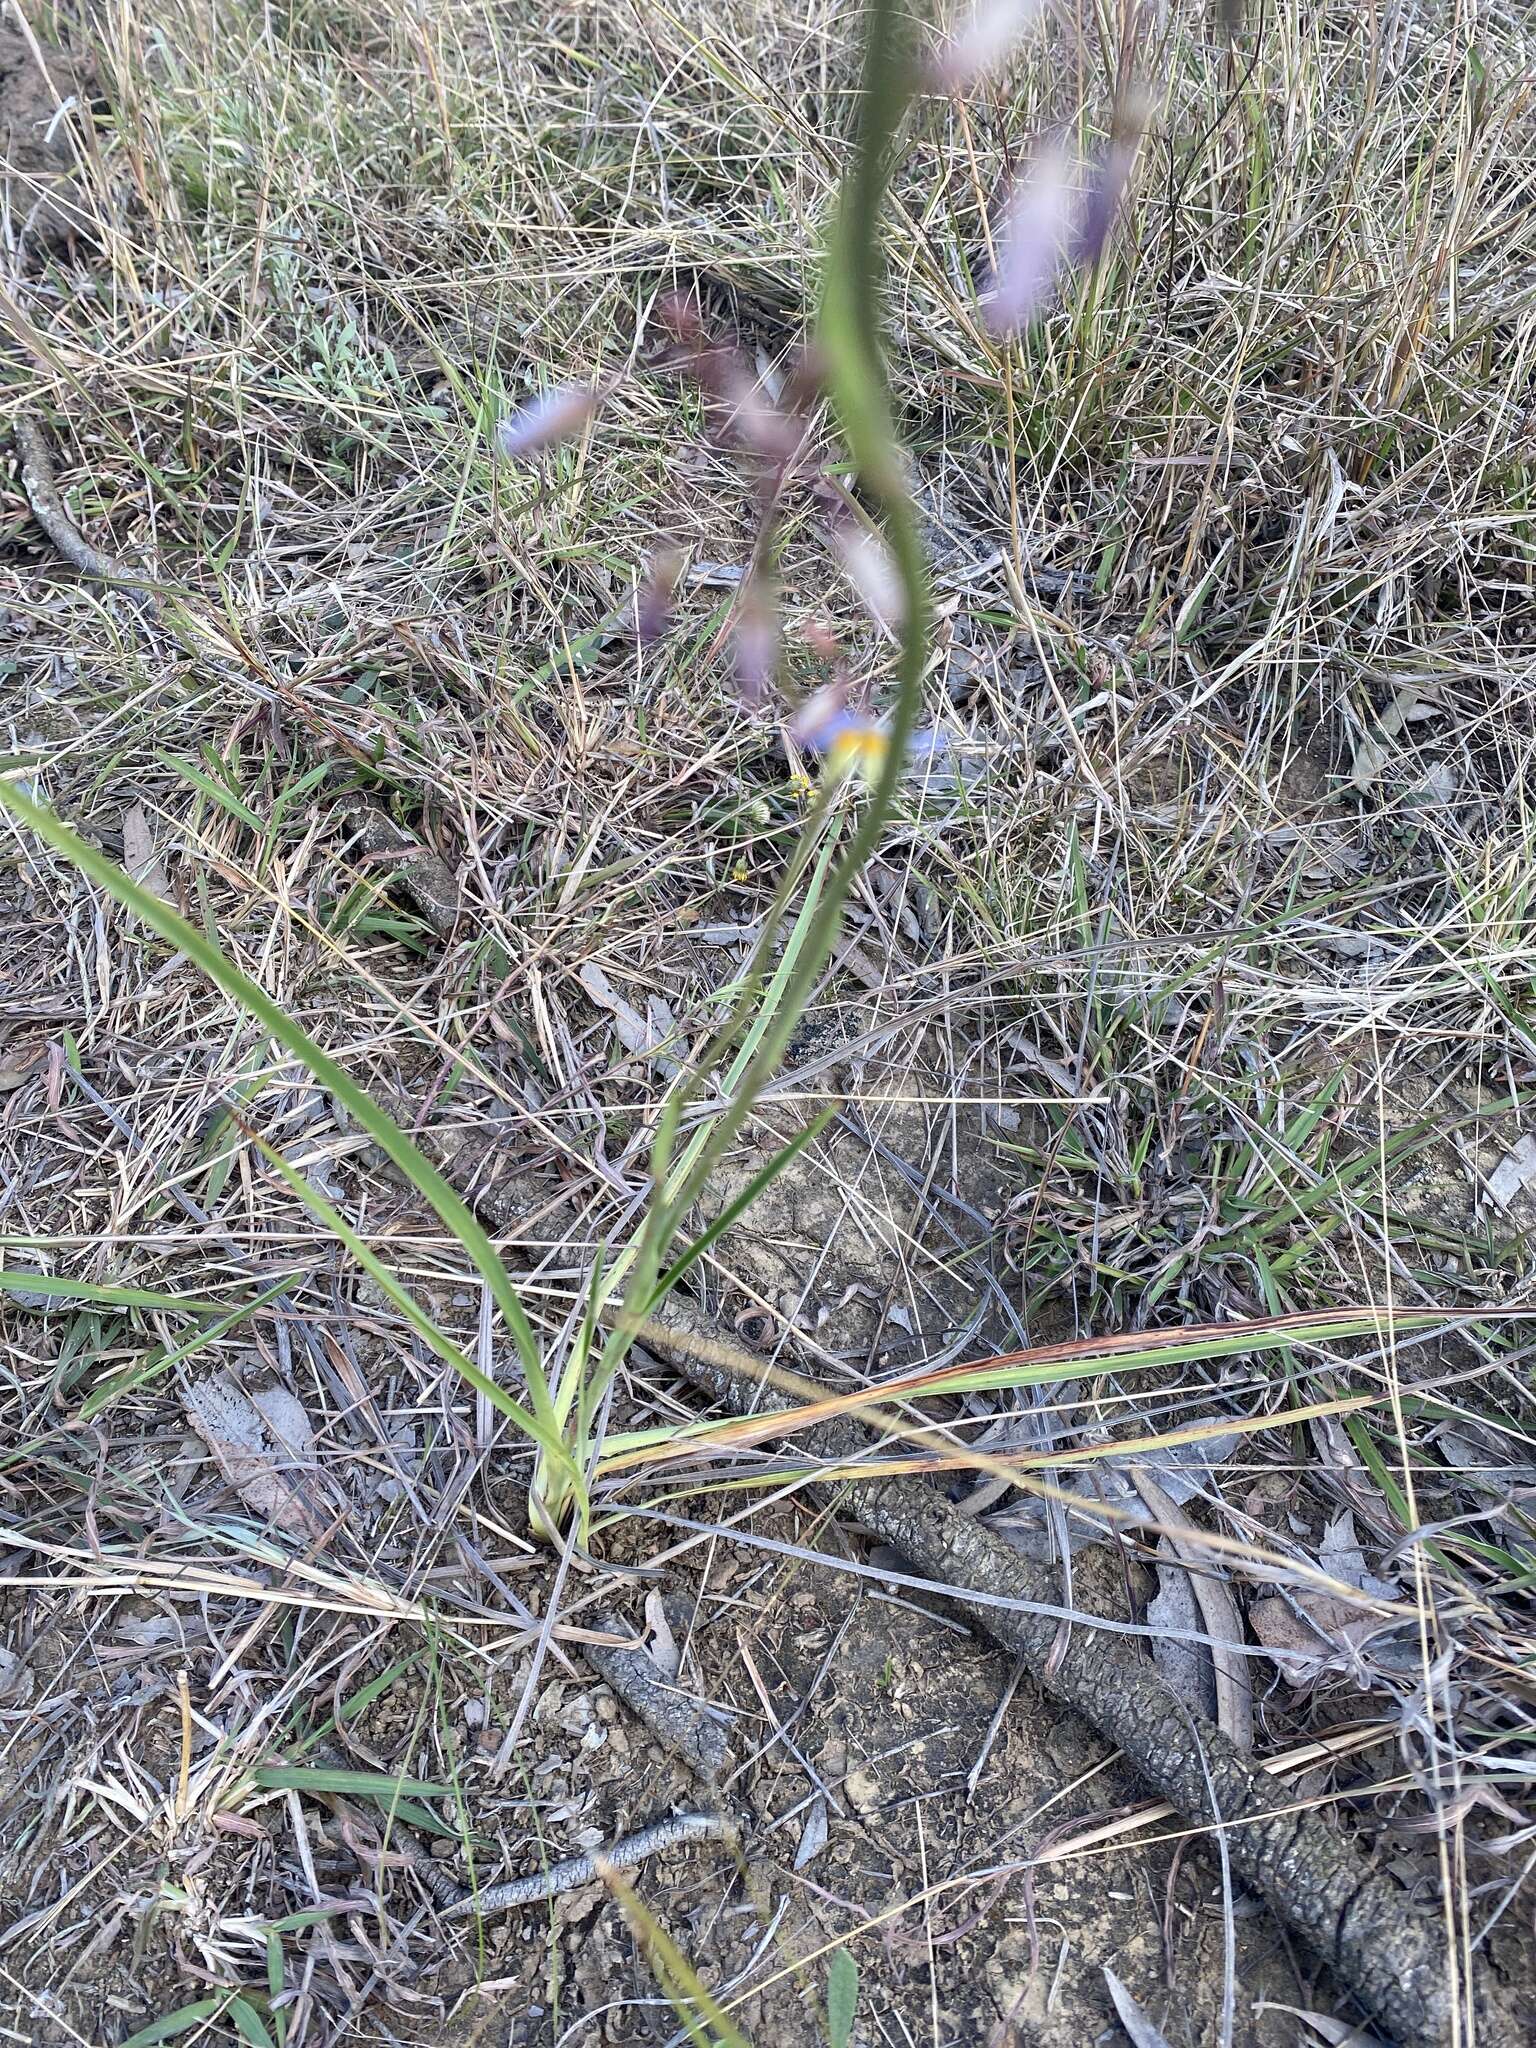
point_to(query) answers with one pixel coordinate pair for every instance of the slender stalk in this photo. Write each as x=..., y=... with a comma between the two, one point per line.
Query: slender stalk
x=849, y=335
x=849, y=330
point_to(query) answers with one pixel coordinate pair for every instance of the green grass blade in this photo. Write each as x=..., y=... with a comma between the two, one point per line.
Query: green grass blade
x=110, y=1297
x=736, y=1209
x=251, y=2025
x=842, y=1998
x=149, y=1369
x=548, y=1439
x=333, y=1778
x=181, y=2021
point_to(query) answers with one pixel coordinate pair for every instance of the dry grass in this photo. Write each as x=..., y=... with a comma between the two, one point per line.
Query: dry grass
x=1194, y=984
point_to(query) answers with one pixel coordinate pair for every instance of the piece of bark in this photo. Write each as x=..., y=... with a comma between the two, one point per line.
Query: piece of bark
x=417, y=872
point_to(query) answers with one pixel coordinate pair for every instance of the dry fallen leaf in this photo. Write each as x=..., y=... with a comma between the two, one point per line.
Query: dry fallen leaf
x=20, y=1059
x=813, y=1836
x=1411, y=702
x=1513, y=1174
x=264, y=1446
x=1341, y=1558
x=1220, y=1620
x=15, y=1679
x=1336, y=2033
x=139, y=856
x=1175, y=1616
x=662, y=1646
x=1133, y=2018
x=637, y=1034
x=1311, y=1633
x=1181, y=1469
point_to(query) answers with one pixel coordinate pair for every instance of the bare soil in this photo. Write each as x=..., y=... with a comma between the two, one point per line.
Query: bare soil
x=956, y=1912
x=45, y=110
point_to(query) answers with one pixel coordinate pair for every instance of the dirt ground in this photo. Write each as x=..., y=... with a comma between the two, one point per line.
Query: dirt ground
x=900, y=1789
x=940, y=1811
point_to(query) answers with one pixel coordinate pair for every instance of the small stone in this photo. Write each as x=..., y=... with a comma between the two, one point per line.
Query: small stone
x=578, y=1715
x=863, y=1790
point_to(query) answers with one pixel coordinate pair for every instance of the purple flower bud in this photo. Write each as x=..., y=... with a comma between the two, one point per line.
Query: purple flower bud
x=1031, y=245
x=981, y=41
x=553, y=416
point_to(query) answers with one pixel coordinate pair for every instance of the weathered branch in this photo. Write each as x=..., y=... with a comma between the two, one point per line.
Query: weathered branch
x=52, y=514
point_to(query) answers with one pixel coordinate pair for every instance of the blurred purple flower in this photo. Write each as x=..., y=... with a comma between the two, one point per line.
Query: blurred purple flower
x=680, y=319
x=1035, y=232
x=980, y=41
x=653, y=598
x=853, y=740
x=553, y=416
x=928, y=747
x=869, y=568
x=754, y=418
x=755, y=640
x=824, y=725
x=824, y=714
x=1106, y=186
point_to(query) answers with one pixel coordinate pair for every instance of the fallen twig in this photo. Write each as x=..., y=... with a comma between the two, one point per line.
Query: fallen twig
x=579, y=1870
x=677, y=1722
x=52, y=515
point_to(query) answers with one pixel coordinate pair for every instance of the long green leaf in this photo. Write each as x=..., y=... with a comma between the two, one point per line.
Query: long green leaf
x=333, y=1778
x=181, y=2021
x=149, y=1369
x=842, y=1998
x=1047, y=1365
x=248, y=2020
x=22, y=1282
x=549, y=1441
